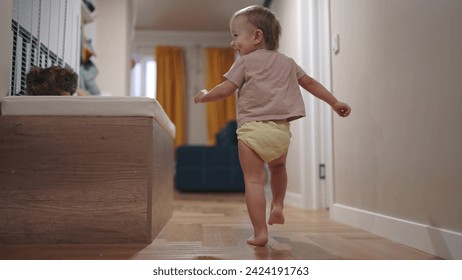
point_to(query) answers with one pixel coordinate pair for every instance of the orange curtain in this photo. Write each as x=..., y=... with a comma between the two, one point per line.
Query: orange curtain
x=218, y=62
x=171, y=87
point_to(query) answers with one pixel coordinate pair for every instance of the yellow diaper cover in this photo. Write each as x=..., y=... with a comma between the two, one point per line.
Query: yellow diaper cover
x=269, y=139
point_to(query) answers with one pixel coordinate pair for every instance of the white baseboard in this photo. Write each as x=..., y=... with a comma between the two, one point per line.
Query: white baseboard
x=293, y=199
x=436, y=241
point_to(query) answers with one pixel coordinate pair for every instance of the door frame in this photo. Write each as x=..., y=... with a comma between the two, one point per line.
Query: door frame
x=315, y=54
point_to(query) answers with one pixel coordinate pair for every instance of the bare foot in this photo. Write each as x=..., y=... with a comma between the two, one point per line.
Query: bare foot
x=276, y=216
x=258, y=241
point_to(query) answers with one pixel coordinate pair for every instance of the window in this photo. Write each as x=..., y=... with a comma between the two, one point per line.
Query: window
x=144, y=78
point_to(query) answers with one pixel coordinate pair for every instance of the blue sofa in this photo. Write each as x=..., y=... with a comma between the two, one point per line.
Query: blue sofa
x=211, y=168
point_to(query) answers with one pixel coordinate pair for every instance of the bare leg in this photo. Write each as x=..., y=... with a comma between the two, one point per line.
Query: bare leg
x=254, y=177
x=278, y=172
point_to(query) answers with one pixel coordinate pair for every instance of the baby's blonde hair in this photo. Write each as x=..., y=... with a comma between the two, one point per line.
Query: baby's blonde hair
x=265, y=20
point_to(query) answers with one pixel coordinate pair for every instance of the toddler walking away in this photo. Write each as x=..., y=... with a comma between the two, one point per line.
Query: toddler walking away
x=269, y=98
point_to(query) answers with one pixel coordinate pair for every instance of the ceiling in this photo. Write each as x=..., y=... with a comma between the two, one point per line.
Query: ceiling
x=187, y=15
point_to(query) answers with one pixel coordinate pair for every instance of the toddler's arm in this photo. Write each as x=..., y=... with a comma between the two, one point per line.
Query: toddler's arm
x=318, y=90
x=219, y=92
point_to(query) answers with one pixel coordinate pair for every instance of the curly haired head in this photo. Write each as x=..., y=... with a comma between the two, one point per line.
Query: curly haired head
x=54, y=80
x=265, y=20
x=37, y=81
x=65, y=78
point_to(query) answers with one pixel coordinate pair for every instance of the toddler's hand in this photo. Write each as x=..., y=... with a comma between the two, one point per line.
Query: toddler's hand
x=342, y=109
x=199, y=95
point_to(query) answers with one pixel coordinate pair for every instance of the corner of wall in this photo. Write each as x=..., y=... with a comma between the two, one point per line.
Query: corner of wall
x=5, y=46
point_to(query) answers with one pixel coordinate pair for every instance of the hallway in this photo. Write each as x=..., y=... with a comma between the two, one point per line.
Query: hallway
x=216, y=226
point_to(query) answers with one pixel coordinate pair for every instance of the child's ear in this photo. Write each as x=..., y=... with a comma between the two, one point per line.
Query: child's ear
x=258, y=36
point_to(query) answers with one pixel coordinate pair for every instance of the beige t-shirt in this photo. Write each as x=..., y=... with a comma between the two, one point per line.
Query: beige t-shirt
x=268, y=87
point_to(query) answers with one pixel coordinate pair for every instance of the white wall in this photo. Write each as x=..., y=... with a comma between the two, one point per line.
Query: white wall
x=398, y=156
x=113, y=29
x=6, y=13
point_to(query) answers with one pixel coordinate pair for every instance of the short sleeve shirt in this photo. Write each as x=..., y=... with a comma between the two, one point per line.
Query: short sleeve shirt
x=268, y=87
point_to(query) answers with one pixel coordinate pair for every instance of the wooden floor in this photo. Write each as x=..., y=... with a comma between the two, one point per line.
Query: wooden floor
x=213, y=226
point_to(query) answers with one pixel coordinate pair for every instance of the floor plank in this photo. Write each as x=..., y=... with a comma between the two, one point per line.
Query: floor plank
x=216, y=226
